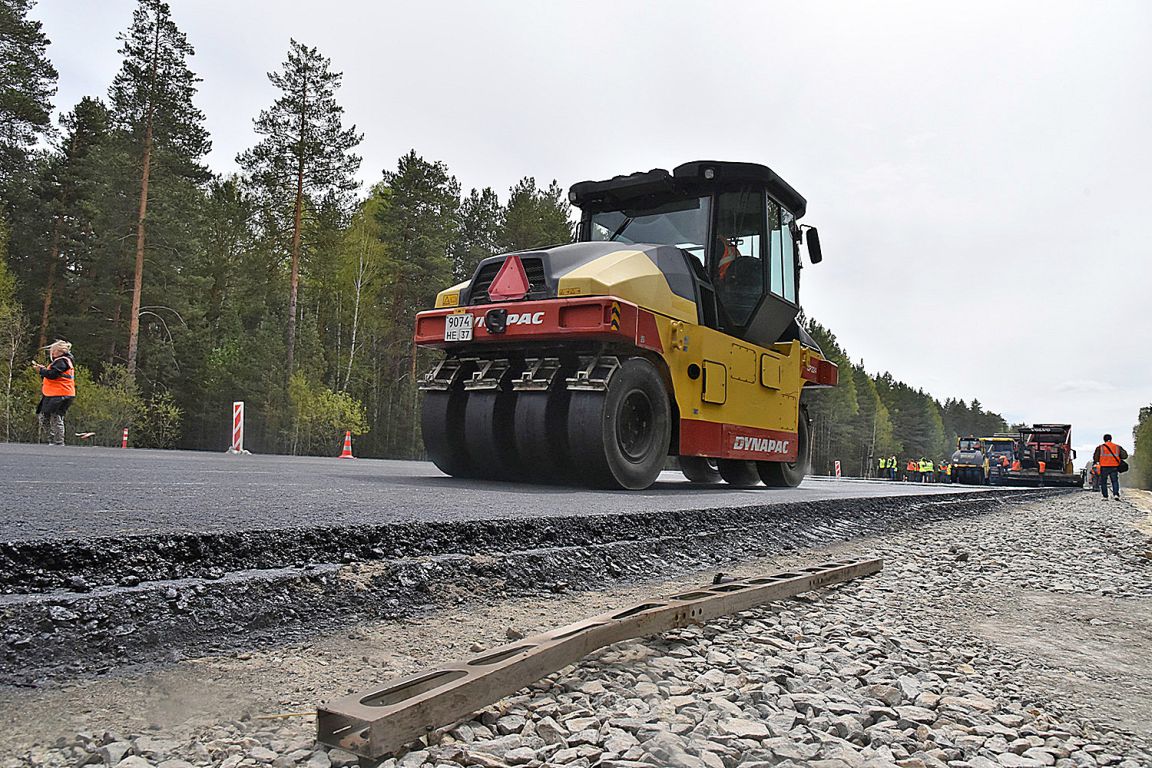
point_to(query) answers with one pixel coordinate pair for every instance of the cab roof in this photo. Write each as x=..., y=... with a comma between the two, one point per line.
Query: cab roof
x=686, y=179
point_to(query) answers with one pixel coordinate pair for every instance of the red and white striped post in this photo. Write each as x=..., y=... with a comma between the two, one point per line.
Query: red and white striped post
x=837, y=468
x=237, y=427
x=124, y=438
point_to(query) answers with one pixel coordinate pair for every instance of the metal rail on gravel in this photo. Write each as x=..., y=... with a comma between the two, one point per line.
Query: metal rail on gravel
x=380, y=721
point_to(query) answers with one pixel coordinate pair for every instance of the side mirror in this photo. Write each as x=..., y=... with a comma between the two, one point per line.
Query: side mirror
x=813, y=238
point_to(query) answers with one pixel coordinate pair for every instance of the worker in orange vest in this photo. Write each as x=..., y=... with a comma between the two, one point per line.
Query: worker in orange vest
x=57, y=389
x=912, y=471
x=1110, y=457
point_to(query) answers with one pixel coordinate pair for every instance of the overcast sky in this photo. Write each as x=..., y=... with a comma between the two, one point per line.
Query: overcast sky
x=980, y=172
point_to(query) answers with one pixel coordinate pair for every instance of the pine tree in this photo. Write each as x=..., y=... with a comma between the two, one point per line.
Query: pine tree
x=151, y=104
x=13, y=326
x=834, y=411
x=481, y=222
x=74, y=186
x=27, y=84
x=305, y=153
x=418, y=225
x=1142, y=450
x=535, y=217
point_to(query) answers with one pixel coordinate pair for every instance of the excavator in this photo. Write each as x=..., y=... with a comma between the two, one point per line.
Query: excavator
x=668, y=329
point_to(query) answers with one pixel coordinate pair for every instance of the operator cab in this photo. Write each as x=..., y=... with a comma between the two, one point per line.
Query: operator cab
x=969, y=445
x=736, y=225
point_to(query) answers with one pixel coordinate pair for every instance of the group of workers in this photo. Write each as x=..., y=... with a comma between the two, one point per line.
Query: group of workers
x=924, y=470
x=920, y=470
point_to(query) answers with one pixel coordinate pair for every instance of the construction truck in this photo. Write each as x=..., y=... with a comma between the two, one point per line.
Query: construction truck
x=969, y=463
x=668, y=329
x=1000, y=452
x=1044, y=457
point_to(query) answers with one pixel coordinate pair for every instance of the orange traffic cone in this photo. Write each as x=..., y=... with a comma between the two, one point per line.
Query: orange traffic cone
x=347, y=452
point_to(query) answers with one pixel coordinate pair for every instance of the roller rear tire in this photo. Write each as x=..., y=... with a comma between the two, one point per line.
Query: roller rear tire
x=619, y=438
x=777, y=474
x=737, y=473
x=442, y=425
x=541, y=434
x=488, y=433
x=699, y=469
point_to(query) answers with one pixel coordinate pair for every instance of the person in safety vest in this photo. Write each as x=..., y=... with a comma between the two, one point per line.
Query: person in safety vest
x=729, y=252
x=1094, y=482
x=1109, y=456
x=57, y=390
x=911, y=471
x=892, y=467
x=881, y=467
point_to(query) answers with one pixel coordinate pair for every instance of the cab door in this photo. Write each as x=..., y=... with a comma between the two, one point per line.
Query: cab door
x=753, y=265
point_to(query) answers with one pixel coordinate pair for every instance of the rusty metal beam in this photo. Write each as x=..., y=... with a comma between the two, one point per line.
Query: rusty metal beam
x=379, y=721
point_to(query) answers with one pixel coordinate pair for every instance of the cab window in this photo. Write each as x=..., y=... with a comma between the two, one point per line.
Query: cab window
x=782, y=249
x=787, y=256
x=738, y=259
x=682, y=223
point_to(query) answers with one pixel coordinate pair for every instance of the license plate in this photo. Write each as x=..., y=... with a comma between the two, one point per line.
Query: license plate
x=458, y=327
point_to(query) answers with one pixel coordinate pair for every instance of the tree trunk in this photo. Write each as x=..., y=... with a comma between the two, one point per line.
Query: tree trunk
x=53, y=257
x=294, y=281
x=116, y=317
x=414, y=447
x=138, y=275
x=361, y=268
x=16, y=332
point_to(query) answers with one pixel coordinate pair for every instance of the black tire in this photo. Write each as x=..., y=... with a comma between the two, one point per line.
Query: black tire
x=488, y=420
x=619, y=438
x=442, y=426
x=699, y=469
x=541, y=433
x=739, y=474
x=777, y=474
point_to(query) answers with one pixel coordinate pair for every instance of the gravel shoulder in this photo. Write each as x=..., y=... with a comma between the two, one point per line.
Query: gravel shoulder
x=1018, y=638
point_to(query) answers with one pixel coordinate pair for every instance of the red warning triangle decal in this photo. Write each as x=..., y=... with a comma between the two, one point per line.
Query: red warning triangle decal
x=511, y=282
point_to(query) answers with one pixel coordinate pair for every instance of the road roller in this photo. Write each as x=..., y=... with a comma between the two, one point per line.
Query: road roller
x=669, y=328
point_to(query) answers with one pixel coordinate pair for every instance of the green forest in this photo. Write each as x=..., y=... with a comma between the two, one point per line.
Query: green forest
x=285, y=285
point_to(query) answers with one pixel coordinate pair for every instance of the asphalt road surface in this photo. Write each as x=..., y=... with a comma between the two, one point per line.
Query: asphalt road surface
x=69, y=492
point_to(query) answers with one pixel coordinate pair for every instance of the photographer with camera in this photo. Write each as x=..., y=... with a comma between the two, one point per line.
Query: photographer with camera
x=57, y=389
x=1111, y=458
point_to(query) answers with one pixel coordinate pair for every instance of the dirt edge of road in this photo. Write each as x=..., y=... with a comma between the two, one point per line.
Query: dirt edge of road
x=64, y=633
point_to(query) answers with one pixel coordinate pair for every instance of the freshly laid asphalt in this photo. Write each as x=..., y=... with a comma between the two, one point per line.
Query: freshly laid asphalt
x=77, y=492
